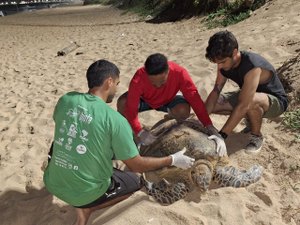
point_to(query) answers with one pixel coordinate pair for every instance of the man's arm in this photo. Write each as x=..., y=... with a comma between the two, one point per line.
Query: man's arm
x=251, y=81
x=215, y=93
x=190, y=93
x=132, y=104
x=192, y=96
x=142, y=164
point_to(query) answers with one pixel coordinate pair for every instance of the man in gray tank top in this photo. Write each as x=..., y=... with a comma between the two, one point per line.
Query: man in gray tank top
x=260, y=94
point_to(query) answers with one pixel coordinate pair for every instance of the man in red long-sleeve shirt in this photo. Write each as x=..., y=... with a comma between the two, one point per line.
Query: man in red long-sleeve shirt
x=156, y=86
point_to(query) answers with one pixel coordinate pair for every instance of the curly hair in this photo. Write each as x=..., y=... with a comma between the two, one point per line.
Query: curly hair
x=221, y=45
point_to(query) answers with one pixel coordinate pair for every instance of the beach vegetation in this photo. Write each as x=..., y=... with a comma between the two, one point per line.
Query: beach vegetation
x=288, y=73
x=232, y=13
x=217, y=12
x=291, y=119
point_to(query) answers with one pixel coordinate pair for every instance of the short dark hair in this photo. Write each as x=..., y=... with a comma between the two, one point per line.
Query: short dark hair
x=99, y=71
x=156, y=64
x=221, y=45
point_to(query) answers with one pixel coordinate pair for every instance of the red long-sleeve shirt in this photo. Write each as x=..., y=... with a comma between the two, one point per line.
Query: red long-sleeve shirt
x=178, y=80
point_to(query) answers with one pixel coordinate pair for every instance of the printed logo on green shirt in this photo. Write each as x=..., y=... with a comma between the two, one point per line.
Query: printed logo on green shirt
x=81, y=149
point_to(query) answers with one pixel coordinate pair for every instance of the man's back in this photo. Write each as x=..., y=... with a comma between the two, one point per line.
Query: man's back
x=251, y=60
x=84, y=144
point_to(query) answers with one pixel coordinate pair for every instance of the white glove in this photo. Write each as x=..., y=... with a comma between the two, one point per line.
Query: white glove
x=182, y=161
x=146, y=137
x=221, y=146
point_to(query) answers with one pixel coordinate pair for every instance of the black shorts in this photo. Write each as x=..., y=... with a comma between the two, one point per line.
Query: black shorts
x=143, y=106
x=122, y=183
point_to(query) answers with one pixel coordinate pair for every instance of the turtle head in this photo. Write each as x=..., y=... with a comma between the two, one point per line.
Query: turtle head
x=201, y=174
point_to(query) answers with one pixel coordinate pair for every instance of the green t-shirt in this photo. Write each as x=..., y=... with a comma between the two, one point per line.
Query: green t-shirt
x=88, y=135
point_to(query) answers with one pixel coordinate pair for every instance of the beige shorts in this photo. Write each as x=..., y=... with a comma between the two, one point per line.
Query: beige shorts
x=274, y=110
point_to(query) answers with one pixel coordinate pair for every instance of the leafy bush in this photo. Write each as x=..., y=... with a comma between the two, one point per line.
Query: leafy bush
x=232, y=13
x=223, y=13
x=292, y=120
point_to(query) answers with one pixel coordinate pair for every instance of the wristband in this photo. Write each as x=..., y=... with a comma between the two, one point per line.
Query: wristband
x=172, y=162
x=224, y=135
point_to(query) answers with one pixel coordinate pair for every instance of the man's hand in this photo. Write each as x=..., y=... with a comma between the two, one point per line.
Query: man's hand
x=221, y=146
x=146, y=138
x=182, y=161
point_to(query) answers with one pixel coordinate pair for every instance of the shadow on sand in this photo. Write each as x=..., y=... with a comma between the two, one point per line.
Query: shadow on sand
x=32, y=207
x=236, y=142
x=36, y=207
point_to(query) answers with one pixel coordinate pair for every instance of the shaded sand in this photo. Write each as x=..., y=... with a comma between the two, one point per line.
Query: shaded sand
x=33, y=78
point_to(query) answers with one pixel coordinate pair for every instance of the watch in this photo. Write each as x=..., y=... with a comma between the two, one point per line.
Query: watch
x=224, y=135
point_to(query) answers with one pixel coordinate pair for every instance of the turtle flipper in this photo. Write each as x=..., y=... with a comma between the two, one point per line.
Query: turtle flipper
x=232, y=177
x=165, y=192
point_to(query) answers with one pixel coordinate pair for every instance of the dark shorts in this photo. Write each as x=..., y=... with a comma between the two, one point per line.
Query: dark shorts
x=122, y=183
x=178, y=99
x=275, y=108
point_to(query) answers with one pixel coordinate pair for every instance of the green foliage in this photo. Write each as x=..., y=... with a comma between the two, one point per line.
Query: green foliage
x=224, y=18
x=257, y=4
x=146, y=7
x=291, y=120
x=223, y=13
x=232, y=13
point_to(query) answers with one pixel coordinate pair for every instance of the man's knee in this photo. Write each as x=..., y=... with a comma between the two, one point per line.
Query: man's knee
x=260, y=101
x=121, y=102
x=255, y=109
x=181, y=111
x=266, y=108
x=259, y=105
x=223, y=109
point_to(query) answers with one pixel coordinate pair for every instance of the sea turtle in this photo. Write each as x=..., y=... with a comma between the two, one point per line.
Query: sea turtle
x=175, y=183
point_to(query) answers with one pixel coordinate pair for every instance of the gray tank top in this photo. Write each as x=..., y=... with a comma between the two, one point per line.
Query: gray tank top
x=249, y=61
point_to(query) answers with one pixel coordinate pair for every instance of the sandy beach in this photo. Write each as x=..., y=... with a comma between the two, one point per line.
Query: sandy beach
x=33, y=77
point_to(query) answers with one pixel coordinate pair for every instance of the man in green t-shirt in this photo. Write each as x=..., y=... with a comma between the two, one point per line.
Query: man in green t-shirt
x=88, y=135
